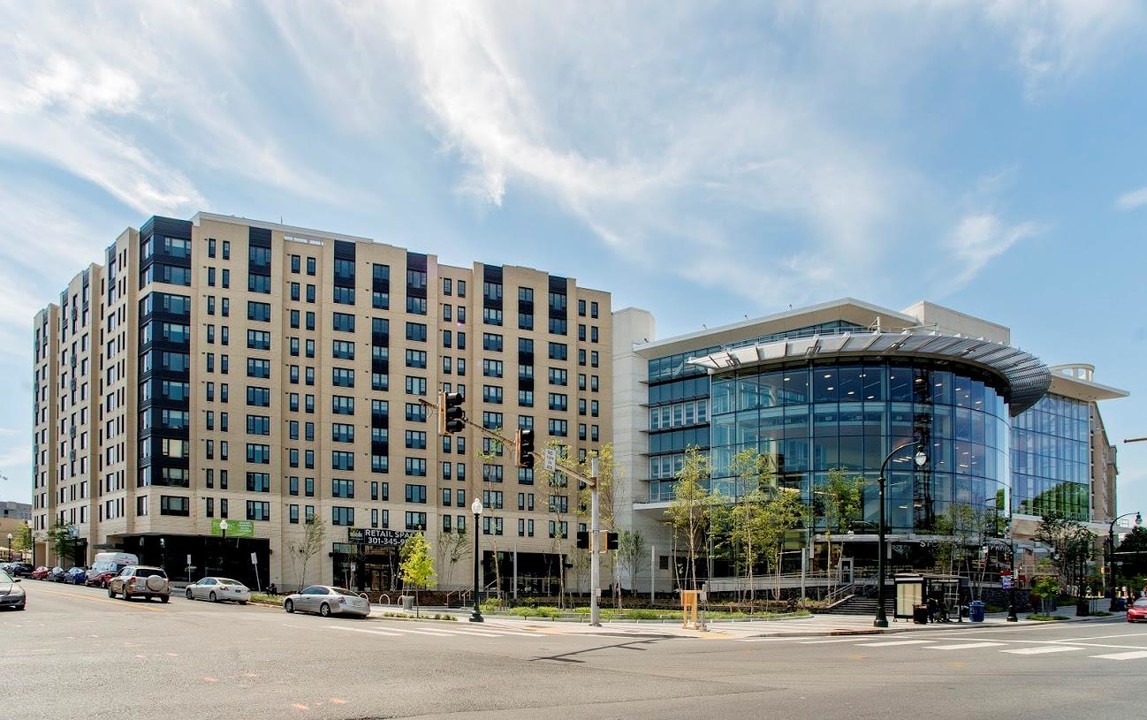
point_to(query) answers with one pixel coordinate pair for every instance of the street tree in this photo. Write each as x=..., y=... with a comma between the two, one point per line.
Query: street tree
x=631, y=555
x=302, y=550
x=22, y=539
x=452, y=547
x=417, y=566
x=62, y=540
x=1072, y=545
x=746, y=521
x=1130, y=559
x=488, y=456
x=842, y=496
x=558, y=481
x=690, y=510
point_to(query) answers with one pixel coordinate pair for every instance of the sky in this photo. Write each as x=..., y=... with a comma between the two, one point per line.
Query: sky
x=705, y=161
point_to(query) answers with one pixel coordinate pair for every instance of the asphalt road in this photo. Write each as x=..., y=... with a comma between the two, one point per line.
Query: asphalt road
x=75, y=653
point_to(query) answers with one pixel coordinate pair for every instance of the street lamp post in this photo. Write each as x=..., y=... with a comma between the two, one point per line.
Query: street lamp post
x=9, y=547
x=1111, y=549
x=223, y=547
x=1012, y=617
x=476, y=508
x=920, y=458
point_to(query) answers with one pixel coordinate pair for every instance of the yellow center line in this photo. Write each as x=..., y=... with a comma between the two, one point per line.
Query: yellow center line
x=96, y=598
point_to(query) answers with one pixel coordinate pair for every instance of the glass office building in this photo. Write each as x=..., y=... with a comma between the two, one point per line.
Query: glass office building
x=845, y=385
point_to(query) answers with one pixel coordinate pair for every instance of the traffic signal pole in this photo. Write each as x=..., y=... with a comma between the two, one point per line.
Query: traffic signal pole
x=595, y=552
x=525, y=456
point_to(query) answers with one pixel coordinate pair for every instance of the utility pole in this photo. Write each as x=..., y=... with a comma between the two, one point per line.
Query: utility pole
x=595, y=557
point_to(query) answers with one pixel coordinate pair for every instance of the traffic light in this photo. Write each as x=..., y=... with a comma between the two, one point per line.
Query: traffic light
x=451, y=417
x=611, y=541
x=525, y=448
x=583, y=539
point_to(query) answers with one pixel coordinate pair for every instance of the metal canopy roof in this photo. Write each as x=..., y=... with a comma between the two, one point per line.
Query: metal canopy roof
x=1025, y=378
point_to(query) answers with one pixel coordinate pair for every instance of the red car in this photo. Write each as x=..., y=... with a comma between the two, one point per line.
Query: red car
x=99, y=579
x=1137, y=611
x=41, y=573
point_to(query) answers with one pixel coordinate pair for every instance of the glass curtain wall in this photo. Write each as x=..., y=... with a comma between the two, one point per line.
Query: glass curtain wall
x=813, y=419
x=1051, y=458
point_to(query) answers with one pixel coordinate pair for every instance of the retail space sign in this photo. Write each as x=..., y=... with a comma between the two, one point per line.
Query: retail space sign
x=376, y=536
x=235, y=528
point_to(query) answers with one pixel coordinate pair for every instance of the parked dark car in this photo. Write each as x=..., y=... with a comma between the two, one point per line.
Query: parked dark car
x=76, y=576
x=21, y=569
x=58, y=574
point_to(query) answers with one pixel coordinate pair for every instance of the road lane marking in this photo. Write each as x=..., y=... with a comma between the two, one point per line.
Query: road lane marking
x=826, y=642
x=1123, y=655
x=366, y=630
x=891, y=643
x=966, y=646
x=110, y=601
x=1041, y=650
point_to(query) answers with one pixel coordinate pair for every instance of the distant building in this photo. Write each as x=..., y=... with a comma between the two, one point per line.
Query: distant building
x=229, y=370
x=10, y=510
x=842, y=385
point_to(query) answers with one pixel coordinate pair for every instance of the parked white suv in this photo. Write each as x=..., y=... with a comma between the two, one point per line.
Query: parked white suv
x=141, y=581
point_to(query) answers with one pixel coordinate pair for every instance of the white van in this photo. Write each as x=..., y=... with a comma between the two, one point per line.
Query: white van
x=111, y=562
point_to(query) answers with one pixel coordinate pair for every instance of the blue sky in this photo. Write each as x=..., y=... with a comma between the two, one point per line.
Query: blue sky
x=703, y=161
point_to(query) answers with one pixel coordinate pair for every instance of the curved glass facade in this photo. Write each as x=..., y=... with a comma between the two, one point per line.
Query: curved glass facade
x=1051, y=446
x=850, y=415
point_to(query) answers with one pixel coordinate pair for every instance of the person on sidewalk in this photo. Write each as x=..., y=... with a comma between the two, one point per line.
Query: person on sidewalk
x=931, y=609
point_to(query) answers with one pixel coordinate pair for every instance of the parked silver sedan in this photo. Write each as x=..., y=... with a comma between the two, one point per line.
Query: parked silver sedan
x=218, y=589
x=327, y=600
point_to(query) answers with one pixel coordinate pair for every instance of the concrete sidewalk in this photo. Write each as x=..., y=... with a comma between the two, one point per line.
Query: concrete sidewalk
x=810, y=626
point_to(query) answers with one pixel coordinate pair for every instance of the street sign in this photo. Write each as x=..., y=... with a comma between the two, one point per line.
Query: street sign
x=254, y=559
x=551, y=459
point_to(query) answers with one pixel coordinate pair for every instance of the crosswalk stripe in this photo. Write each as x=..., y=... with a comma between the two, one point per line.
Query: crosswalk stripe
x=890, y=643
x=965, y=646
x=436, y=632
x=365, y=630
x=826, y=642
x=1123, y=655
x=417, y=631
x=1040, y=650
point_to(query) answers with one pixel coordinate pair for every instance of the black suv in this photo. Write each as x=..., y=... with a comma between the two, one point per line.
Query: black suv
x=140, y=581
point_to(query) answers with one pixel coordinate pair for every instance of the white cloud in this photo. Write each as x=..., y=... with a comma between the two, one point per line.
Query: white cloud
x=1132, y=200
x=1056, y=41
x=980, y=238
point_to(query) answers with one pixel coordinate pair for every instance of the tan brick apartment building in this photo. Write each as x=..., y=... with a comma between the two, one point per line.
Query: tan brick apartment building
x=229, y=369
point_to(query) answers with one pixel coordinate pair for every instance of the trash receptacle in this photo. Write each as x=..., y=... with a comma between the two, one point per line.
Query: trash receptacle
x=1120, y=604
x=976, y=611
x=920, y=614
x=407, y=602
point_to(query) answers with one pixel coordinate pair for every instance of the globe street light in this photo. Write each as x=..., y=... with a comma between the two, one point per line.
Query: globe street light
x=1111, y=548
x=920, y=458
x=223, y=546
x=476, y=508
